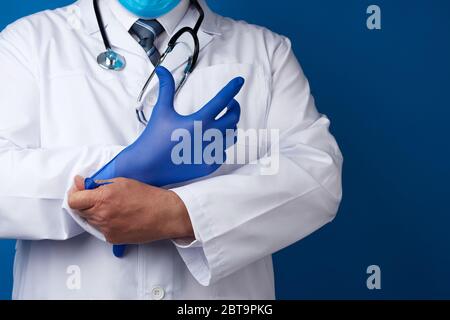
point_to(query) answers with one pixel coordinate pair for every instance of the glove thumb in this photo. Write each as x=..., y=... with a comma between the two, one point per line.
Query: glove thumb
x=166, y=87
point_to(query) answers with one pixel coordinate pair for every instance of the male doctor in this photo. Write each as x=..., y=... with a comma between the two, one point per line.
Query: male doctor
x=62, y=116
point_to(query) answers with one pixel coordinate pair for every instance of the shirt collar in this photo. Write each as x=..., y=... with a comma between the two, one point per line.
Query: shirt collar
x=89, y=22
x=169, y=21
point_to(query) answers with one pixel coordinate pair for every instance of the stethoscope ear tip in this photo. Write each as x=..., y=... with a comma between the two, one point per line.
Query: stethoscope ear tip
x=111, y=60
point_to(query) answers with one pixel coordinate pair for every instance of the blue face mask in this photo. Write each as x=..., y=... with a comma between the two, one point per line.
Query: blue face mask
x=149, y=9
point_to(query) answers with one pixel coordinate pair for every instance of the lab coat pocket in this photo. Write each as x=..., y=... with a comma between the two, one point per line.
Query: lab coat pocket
x=206, y=82
x=253, y=98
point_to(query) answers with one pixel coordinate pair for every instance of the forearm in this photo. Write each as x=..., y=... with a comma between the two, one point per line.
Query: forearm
x=34, y=184
x=127, y=211
x=35, y=219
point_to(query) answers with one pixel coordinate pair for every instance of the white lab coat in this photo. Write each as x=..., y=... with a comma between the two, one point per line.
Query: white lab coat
x=62, y=115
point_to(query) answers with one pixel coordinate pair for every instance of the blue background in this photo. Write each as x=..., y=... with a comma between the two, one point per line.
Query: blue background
x=387, y=94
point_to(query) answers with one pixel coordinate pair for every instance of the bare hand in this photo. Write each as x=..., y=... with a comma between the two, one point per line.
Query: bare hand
x=129, y=212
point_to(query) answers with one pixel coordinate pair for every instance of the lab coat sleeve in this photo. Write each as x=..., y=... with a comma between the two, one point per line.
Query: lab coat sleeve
x=242, y=217
x=34, y=180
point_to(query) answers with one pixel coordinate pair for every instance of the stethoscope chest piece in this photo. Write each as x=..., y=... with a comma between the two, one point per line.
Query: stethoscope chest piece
x=111, y=60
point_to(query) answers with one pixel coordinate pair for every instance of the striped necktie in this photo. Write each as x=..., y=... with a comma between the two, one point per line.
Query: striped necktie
x=146, y=32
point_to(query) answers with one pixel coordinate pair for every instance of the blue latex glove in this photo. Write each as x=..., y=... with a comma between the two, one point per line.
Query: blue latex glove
x=149, y=158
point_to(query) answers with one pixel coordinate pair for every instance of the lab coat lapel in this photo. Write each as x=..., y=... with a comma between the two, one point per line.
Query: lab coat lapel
x=185, y=47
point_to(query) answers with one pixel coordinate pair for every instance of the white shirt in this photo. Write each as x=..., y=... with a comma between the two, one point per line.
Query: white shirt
x=62, y=115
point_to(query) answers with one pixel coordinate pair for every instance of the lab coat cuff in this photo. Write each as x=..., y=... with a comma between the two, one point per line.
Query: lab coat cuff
x=190, y=242
x=201, y=259
x=186, y=243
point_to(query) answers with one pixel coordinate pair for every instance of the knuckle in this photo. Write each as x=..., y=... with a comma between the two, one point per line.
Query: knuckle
x=121, y=183
x=122, y=180
x=103, y=218
x=105, y=195
x=105, y=215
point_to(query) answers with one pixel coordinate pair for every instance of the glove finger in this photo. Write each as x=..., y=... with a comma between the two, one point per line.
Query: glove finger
x=231, y=118
x=90, y=184
x=166, y=87
x=216, y=105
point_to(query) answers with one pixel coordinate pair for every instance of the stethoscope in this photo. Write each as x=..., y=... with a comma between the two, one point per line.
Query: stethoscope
x=111, y=60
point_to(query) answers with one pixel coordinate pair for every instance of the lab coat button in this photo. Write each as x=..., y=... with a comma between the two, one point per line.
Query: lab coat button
x=158, y=293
